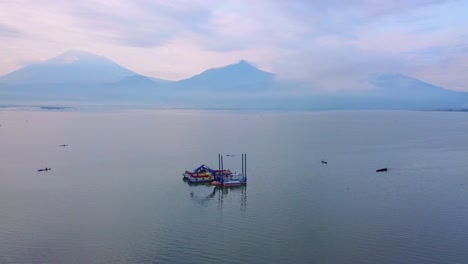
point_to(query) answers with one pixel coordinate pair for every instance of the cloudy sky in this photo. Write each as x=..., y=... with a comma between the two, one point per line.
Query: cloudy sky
x=333, y=44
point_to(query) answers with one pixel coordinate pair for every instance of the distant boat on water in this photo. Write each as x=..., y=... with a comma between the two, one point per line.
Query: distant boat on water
x=45, y=169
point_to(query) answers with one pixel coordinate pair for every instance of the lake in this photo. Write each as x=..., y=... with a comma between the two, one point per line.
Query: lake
x=115, y=194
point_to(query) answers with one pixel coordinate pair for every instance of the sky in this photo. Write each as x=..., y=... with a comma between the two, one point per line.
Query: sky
x=330, y=44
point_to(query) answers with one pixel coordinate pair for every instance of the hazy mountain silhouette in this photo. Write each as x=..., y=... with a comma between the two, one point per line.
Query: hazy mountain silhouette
x=405, y=90
x=136, y=81
x=239, y=77
x=398, y=85
x=159, y=81
x=82, y=76
x=71, y=67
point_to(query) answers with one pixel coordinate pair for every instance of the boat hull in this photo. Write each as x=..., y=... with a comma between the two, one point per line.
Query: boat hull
x=232, y=183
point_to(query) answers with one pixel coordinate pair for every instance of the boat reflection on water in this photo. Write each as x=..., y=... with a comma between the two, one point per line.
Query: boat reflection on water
x=204, y=193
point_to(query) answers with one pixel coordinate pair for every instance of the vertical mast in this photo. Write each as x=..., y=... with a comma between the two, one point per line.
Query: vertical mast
x=242, y=163
x=245, y=166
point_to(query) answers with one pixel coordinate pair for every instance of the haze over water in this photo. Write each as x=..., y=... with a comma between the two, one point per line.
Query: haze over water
x=116, y=194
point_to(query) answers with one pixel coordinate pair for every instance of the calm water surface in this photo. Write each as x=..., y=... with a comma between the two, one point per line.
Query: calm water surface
x=116, y=194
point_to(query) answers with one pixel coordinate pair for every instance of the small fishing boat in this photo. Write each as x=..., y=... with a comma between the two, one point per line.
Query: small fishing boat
x=45, y=169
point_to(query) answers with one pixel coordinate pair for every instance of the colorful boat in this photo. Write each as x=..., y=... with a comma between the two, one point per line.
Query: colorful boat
x=218, y=177
x=200, y=174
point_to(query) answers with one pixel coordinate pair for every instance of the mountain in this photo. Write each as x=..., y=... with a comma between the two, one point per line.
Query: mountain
x=232, y=78
x=71, y=67
x=398, y=85
x=85, y=77
x=397, y=91
x=136, y=81
x=156, y=80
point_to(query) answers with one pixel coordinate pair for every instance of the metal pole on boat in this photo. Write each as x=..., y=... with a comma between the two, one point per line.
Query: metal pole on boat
x=245, y=166
x=219, y=161
x=242, y=163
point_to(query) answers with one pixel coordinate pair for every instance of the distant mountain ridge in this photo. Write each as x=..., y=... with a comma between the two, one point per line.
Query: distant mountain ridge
x=70, y=67
x=398, y=83
x=415, y=93
x=240, y=76
x=78, y=75
x=136, y=80
x=75, y=67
